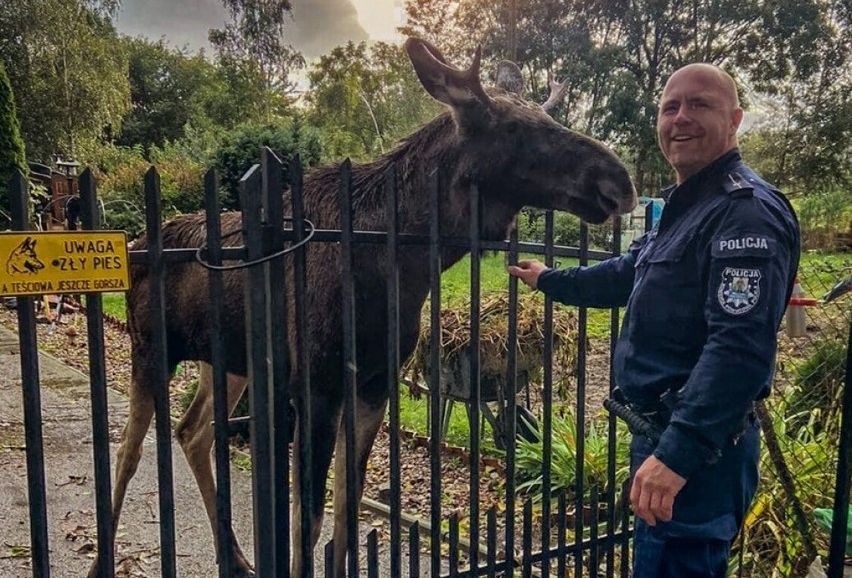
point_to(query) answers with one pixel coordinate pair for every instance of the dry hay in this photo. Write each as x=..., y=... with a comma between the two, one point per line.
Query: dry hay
x=494, y=339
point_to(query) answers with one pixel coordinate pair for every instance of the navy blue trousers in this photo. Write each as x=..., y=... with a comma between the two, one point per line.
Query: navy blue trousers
x=707, y=513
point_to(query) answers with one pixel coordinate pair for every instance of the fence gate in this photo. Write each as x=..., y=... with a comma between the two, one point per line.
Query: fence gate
x=509, y=522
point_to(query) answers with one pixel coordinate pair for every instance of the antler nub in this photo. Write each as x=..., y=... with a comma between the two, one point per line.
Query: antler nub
x=557, y=93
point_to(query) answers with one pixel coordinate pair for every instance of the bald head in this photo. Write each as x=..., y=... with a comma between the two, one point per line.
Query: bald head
x=713, y=77
x=698, y=118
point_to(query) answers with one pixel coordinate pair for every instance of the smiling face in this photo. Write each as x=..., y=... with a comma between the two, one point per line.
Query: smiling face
x=698, y=118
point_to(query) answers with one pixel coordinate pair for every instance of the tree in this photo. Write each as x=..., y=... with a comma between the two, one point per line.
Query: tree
x=365, y=99
x=68, y=72
x=241, y=148
x=252, y=47
x=11, y=146
x=169, y=90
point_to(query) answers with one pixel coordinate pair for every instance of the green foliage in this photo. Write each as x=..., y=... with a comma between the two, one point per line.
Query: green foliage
x=172, y=91
x=252, y=50
x=241, y=148
x=822, y=214
x=11, y=146
x=121, y=171
x=566, y=230
x=817, y=386
x=563, y=462
x=68, y=70
x=364, y=100
x=772, y=547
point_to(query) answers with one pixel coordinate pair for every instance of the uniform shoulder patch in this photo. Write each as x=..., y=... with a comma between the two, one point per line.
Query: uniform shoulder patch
x=737, y=185
x=739, y=290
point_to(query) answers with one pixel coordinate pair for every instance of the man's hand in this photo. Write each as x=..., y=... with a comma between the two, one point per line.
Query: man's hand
x=653, y=491
x=528, y=271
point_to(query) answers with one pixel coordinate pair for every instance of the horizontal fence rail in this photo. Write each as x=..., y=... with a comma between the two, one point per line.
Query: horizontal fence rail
x=317, y=312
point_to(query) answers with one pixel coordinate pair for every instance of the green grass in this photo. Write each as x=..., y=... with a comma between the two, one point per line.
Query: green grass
x=113, y=304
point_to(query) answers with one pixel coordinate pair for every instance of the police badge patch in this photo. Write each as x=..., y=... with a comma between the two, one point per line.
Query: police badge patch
x=739, y=290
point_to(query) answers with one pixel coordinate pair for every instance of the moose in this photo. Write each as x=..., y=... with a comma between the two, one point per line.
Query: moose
x=511, y=149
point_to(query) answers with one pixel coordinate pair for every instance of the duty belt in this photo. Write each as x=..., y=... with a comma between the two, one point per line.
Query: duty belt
x=650, y=422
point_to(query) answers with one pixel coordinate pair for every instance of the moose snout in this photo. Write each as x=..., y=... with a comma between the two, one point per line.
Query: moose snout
x=616, y=198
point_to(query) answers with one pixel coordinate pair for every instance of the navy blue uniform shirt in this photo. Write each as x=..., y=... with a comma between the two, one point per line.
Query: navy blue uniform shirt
x=705, y=292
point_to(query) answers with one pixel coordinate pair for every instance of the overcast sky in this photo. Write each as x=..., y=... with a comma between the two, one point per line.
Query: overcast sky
x=318, y=25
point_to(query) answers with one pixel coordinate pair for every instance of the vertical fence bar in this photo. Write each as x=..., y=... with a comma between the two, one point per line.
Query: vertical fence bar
x=372, y=554
x=350, y=370
x=581, y=410
x=547, y=405
x=303, y=364
x=258, y=374
x=475, y=254
x=562, y=526
x=454, y=545
x=526, y=540
x=273, y=207
x=625, y=529
x=159, y=361
x=594, y=506
x=328, y=557
x=840, y=519
x=414, y=551
x=98, y=389
x=393, y=367
x=611, y=423
x=491, y=540
x=220, y=387
x=37, y=495
x=511, y=408
x=435, y=371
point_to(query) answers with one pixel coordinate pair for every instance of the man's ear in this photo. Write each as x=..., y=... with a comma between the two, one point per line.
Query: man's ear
x=736, y=119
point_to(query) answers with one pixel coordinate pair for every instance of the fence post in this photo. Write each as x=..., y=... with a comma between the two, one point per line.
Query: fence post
x=19, y=197
x=258, y=374
x=98, y=387
x=837, y=551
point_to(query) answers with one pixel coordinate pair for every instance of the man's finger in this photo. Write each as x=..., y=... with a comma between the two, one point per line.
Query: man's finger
x=666, y=508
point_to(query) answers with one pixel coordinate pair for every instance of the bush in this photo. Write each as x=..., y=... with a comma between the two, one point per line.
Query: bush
x=817, y=387
x=11, y=146
x=563, y=461
x=822, y=215
x=241, y=149
x=566, y=230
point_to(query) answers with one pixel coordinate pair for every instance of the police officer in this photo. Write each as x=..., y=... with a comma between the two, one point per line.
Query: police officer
x=705, y=292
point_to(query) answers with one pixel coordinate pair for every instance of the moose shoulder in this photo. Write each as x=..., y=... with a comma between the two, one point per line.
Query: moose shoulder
x=509, y=148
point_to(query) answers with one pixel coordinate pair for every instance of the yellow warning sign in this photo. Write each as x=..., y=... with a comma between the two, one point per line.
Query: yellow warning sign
x=35, y=263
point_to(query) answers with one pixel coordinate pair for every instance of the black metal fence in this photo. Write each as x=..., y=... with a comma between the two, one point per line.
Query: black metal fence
x=578, y=531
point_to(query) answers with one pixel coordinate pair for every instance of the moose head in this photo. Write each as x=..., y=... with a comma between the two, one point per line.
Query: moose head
x=518, y=151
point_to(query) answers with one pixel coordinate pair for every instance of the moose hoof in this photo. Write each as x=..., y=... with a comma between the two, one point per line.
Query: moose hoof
x=239, y=571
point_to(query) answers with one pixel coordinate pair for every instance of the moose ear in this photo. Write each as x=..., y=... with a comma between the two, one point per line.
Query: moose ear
x=509, y=77
x=447, y=84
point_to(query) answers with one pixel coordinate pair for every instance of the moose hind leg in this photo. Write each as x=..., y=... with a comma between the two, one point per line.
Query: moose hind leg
x=196, y=435
x=369, y=415
x=130, y=449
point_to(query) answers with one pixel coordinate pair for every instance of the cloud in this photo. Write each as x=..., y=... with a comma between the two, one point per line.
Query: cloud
x=320, y=25
x=317, y=26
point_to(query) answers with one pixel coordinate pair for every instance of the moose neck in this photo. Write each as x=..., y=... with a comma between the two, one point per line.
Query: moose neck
x=437, y=145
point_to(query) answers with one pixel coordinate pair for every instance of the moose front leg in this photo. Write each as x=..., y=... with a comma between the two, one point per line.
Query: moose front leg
x=369, y=412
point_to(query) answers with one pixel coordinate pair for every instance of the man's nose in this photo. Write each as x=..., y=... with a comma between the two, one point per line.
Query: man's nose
x=682, y=115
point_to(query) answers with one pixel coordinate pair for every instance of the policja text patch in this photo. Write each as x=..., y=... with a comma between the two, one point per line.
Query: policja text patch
x=739, y=290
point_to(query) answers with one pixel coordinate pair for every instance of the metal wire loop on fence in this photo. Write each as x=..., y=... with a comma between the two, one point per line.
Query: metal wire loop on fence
x=264, y=259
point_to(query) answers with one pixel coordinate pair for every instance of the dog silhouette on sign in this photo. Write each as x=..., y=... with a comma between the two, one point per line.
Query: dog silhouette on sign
x=23, y=259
